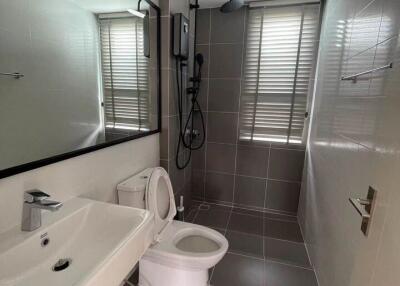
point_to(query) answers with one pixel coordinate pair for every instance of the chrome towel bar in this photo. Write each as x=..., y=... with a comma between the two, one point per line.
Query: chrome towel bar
x=15, y=75
x=355, y=76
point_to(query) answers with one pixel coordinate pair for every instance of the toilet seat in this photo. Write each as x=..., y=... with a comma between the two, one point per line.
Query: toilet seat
x=167, y=252
x=160, y=200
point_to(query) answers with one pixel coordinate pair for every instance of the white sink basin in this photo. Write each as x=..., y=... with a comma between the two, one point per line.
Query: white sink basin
x=103, y=242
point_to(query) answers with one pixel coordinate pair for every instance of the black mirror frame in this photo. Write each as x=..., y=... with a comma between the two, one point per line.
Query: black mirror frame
x=57, y=158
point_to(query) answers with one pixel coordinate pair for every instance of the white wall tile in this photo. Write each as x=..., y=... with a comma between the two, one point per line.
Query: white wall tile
x=354, y=144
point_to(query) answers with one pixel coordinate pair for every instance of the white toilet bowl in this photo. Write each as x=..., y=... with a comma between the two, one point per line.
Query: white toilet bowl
x=182, y=252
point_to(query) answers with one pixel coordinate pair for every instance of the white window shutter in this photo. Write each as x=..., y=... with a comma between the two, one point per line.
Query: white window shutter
x=125, y=74
x=280, y=51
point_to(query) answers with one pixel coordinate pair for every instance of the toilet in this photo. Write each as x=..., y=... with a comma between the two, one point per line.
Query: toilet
x=181, y=253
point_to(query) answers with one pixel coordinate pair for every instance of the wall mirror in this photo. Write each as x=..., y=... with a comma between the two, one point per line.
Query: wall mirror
x=75, y=76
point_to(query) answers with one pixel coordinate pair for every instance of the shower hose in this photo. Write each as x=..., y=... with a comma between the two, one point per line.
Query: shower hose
x=186, y=129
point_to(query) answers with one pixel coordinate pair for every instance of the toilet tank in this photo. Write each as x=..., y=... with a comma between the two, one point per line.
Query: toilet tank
x=132, y=191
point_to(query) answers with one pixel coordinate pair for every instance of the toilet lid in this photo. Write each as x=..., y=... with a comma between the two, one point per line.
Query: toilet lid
x=160, y=199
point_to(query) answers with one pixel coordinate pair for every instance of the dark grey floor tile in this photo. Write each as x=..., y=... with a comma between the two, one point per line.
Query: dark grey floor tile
x=286, y=251
x=244, y=243
x=212, y=218
x=237, y=270
x=246, y=224
x=282, y=230
x=277, y=274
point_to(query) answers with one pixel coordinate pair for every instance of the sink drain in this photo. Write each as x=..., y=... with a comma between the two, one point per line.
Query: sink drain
x=62, y=264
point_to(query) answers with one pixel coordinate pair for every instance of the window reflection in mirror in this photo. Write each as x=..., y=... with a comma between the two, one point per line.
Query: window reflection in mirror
x=74, y=75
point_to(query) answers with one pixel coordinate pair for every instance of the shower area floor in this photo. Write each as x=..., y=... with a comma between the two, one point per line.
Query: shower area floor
x=265, y=249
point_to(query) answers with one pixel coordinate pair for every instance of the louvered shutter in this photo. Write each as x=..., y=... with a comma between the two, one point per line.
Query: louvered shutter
x=280, y=51
x=125, y=74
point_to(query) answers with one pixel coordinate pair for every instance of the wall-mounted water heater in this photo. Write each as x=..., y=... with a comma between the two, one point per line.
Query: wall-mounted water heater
x=181, y=36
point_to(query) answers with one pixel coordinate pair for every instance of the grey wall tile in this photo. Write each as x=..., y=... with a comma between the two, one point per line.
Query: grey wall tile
x=226, y=60
x=173, y=135
x=283, y=196
x=165, y=7
x=164, y=164
x=165, y=92
x=222, y=127
x=202, y=98
x=219, y=187
x=164, y=141
x=220, y=158
x=177, y=176
x=224, y=95
x=286, y=164
x=199, y=158
x=166, y=54
x=252, y=161
x=227, y=27
x=203, y=26
x=250, y=191
x=198, y=180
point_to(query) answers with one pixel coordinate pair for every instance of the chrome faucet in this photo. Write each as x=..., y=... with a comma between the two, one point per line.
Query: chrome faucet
x=34, y=202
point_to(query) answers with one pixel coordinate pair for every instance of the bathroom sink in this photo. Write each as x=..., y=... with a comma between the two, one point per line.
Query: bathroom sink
x=84, y=243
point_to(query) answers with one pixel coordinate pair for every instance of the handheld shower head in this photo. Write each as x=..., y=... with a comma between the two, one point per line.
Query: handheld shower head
x=199, y=59
x=231, y=6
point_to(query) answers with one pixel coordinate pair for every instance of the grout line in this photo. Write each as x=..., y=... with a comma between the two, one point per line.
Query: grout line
x=254, y=177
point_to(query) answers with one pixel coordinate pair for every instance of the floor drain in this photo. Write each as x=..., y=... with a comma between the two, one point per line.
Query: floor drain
x=62, y=264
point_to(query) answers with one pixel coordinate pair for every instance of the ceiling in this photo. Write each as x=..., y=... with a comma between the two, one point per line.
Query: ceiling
x=107, y=6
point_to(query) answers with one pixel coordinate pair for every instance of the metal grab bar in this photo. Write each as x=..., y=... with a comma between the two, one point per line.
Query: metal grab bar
x=15, y=75
x=359, y=205
x=355, y=76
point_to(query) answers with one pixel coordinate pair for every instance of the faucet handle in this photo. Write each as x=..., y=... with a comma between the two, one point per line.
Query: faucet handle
x=34, y=196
